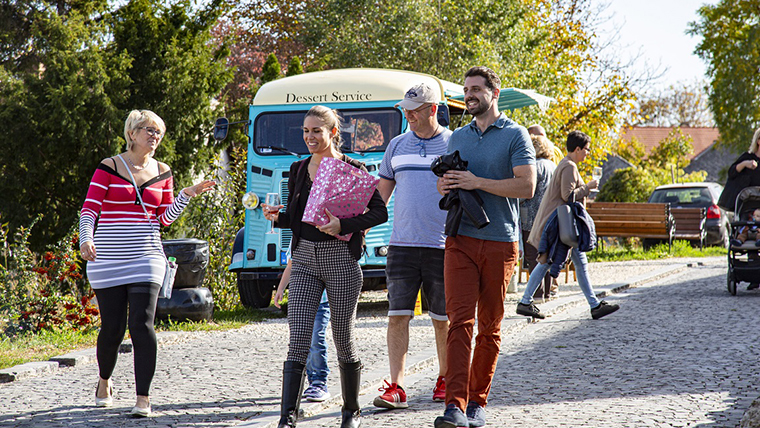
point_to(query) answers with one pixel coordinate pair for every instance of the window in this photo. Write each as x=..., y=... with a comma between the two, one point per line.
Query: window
x=368, y=130
x=694, y=196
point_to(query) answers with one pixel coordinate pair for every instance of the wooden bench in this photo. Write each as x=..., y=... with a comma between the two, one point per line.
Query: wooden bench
x=633, y=220
x=690, y=224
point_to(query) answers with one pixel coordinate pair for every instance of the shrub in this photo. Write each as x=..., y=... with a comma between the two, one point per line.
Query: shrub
x=216, y=218
x=43, y=292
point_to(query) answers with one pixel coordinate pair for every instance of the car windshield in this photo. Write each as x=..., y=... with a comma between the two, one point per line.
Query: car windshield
x=367, y=130
x=694, y=196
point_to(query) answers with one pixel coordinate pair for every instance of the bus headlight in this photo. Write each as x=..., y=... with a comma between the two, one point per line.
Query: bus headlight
x=250, y=201
x=381, y=251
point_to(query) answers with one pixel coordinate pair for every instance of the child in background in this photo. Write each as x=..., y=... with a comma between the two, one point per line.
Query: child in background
x=749, y=231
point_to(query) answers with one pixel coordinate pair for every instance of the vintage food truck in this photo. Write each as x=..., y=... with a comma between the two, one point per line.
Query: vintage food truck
x=365, y=98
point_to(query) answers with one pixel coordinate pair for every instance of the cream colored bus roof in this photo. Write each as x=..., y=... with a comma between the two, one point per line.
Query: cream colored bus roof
x=348, y=85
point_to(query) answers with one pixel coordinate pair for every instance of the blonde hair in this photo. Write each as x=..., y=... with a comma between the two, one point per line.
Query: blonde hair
x=139, y=118
x=330, y=118
x=543, y=147
x=753, y=145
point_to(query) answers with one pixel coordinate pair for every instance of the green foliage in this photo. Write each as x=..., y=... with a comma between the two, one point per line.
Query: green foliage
x=216, y=218
x=43, y=345
x=59, y=121
x=672, y=151
x=294, y=67
x=664, y=165
x=44, y=292
x=628, y=185
x=632, y=151
x=615, y=253
x=271, y=70
x=730, y=45
x=92, y=65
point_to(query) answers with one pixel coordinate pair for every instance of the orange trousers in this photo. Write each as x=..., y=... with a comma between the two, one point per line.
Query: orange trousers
x=476, y=274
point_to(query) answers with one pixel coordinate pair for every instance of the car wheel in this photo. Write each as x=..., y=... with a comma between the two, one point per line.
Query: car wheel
x=255, y=293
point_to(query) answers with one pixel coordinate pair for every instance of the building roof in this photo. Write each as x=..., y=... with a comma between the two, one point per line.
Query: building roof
x=651, y=136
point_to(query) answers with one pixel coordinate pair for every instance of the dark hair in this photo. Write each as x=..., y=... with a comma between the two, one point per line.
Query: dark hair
x=492, y=80
x=331, y=118
x=577, y=139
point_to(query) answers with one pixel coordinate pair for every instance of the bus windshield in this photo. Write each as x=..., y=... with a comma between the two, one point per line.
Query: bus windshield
x=363, y=130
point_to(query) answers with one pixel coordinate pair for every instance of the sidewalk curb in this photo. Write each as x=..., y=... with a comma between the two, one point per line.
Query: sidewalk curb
x=375, y=376
x=76, y=358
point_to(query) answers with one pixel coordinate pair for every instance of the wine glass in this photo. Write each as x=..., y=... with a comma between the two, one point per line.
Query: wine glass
x=597, y=173
x=272, y=200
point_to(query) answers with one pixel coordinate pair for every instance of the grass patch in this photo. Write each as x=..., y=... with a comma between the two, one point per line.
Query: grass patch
x=42, y=346
x=223, y=320
x=617, y=252
x=47, y=344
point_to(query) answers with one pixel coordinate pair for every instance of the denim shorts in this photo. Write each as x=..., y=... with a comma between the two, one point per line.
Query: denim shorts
x=406, y=270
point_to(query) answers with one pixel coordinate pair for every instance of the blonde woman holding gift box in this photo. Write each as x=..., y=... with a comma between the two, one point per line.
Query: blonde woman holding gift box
x=322, y=261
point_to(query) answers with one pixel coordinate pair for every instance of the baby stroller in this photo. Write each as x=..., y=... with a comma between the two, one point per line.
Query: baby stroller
x=743, y=260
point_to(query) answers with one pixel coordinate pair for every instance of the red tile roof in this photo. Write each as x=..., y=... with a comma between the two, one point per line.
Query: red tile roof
x=650, y=137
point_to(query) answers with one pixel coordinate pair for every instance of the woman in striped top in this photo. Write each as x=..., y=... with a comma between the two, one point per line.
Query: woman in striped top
x=125, y=259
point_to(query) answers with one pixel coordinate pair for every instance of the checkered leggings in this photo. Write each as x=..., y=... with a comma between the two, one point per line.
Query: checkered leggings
x=317, y=266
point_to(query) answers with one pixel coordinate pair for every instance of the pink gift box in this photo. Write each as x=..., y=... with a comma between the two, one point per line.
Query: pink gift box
x=340, y=188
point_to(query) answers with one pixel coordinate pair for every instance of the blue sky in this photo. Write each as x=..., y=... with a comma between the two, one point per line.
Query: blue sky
x=656, y=29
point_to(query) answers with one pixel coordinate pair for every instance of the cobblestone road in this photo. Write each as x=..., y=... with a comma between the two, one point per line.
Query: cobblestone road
x=680, y=352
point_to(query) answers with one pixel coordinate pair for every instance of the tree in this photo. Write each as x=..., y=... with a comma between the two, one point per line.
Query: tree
x=176, y=72
x=294, y=67
x=665, y=165
x=272, y=69
x=672, y=151
x=730, y=45
x=58, y=122
x=66, y=115
x=632, y=184
x=685, y=105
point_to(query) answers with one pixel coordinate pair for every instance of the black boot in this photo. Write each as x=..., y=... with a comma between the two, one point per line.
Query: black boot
x=292, y=387
x=350, y=383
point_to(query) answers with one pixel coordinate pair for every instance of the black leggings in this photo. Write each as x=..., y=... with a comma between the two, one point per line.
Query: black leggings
x=141, y=299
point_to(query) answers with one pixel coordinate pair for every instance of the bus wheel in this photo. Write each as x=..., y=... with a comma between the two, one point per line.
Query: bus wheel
x=255, y=293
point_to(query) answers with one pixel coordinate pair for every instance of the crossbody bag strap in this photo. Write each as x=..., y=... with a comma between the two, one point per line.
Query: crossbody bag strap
x=139, y=197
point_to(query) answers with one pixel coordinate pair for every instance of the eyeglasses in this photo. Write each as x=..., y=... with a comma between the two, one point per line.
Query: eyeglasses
x=418, y=109
x=151, y=131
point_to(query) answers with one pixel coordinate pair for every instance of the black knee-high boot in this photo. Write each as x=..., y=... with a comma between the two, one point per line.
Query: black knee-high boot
x=292, y=387
x=350, y=383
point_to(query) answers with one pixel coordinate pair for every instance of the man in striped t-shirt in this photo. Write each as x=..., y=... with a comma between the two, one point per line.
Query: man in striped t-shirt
x=415, y=255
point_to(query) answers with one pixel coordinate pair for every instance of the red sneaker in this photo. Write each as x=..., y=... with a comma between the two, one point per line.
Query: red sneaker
x=439, y=392
x=393, y=397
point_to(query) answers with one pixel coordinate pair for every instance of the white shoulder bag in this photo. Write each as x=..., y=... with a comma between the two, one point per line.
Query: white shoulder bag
x=165, y=292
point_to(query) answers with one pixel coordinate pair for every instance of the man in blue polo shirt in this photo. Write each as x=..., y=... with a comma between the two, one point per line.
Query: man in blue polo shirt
x=479, y=262
x=416, y=251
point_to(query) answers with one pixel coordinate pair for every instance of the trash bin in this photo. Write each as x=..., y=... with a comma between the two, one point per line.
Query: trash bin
x=192, y=260
x=189, y=301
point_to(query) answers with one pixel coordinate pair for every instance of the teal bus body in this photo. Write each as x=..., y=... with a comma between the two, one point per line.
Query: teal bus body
x=370, y=122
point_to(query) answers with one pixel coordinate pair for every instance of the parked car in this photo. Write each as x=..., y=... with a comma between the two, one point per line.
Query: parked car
x=698, y=195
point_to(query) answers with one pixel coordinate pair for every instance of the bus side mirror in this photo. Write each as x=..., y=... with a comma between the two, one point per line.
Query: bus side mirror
x=220, y=128
x=443, y=115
